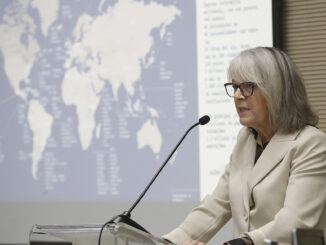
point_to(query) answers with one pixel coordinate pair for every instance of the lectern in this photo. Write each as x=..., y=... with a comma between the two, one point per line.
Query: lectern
x=114, y=234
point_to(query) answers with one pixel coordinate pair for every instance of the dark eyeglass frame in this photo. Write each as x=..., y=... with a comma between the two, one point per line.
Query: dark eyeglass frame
x=236, y=86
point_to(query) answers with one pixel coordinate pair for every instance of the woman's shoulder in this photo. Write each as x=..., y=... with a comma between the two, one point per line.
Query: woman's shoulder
x=310, y=139
x=313, y=134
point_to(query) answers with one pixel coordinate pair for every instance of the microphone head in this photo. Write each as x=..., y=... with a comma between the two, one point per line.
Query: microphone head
x=204, y=120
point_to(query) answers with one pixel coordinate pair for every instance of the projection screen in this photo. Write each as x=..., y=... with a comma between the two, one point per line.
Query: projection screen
x=94, y=96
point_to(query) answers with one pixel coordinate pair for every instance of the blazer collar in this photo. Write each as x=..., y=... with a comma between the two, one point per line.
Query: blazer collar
x=271, y=156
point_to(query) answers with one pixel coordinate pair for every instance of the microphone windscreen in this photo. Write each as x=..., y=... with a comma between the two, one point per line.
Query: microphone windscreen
x=204, y=119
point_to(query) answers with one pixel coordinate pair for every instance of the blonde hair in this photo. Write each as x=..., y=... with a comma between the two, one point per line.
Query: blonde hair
x=279, y=79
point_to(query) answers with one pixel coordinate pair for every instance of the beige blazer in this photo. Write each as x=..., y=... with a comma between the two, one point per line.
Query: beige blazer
x=285, y=189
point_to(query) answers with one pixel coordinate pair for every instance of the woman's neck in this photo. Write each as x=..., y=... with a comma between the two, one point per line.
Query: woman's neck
x=265, y=136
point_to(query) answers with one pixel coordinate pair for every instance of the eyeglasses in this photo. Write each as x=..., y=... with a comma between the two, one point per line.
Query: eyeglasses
x=246, y=88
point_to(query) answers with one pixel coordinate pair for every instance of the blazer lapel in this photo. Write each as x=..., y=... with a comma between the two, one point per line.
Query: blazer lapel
x=271, y=156
x=248, y=149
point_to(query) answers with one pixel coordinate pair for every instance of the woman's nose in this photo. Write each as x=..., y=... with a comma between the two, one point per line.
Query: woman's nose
x=238, y=94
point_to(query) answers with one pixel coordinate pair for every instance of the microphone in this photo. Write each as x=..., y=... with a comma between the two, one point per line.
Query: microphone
x=204, y=120
x=125, y=216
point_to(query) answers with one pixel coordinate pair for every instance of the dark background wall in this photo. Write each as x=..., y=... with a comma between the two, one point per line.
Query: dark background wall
x=304, y=40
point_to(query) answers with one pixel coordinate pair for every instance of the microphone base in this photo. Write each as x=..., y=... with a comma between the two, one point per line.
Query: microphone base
x=123, y=218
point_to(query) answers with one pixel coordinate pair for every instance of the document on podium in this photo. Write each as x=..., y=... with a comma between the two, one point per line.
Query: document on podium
x=116, y=234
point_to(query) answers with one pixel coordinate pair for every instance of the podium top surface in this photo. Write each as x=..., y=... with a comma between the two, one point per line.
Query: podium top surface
x=115, y=234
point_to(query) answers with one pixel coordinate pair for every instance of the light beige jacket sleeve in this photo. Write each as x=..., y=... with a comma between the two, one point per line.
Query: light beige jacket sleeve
x=204, y=221
x=285, y=189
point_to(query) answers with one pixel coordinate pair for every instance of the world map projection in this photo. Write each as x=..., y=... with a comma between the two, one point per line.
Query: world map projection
x=94, y=95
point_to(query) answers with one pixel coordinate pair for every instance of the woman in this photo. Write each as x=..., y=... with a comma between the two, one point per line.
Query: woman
x=276, y=178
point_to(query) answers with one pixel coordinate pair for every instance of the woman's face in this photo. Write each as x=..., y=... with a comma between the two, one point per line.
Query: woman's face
x=253, y=111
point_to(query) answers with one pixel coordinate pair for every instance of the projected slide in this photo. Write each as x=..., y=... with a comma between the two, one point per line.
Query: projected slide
x=95, y=94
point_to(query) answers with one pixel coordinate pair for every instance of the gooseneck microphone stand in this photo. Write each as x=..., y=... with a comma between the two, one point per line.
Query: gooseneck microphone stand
x=125, y=216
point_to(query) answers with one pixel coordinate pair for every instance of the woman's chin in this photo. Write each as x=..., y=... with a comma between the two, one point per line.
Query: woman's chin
x=244, y=122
